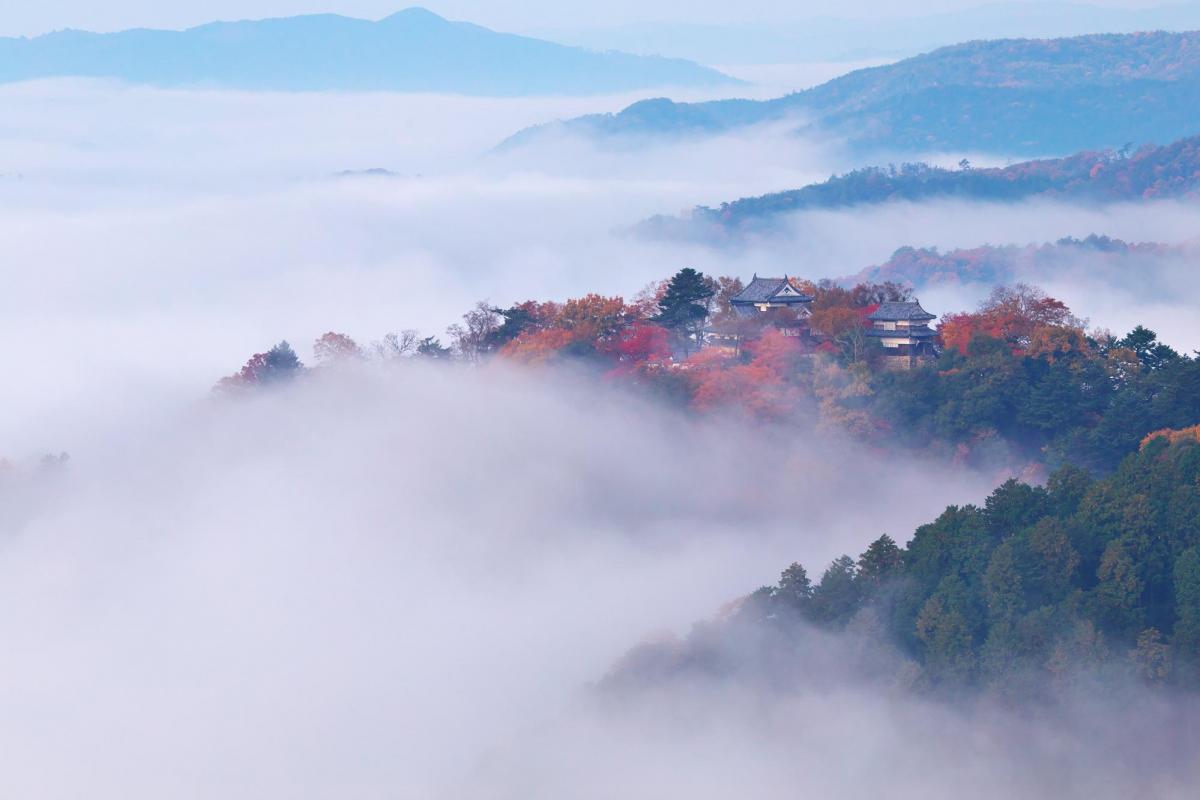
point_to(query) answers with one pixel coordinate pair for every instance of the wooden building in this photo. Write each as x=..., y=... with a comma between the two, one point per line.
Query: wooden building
x=903, y=330
x=764, y=303
x=763, y=294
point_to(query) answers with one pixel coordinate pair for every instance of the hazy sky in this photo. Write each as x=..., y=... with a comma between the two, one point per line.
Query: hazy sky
x=32, y=18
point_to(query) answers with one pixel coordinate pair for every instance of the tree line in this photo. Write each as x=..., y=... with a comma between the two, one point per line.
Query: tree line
x=1020, y=382
x=1040, y=591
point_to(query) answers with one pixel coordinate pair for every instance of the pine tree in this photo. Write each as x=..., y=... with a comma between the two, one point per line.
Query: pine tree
x=795, y=588
x=281, y=363
x=837, y=596
x=881, y=561
x=683, y=309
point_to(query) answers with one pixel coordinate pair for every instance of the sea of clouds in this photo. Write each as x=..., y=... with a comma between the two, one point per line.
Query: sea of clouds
x=402, y=582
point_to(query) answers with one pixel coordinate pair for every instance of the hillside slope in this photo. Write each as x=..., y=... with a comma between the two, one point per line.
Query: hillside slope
x=1170, y=171
x=1011, y=96
x=413, y=50
x=1040, y=587
x=1142, y=268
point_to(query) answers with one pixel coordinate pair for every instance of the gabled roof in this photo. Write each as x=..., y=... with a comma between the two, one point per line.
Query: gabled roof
x=893, y=312
x=764, y=290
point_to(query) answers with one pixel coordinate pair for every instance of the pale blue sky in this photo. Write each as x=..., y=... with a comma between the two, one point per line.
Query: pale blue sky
x=19, y=17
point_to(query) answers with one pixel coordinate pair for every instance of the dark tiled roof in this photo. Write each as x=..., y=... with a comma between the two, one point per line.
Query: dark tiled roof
x=901, y=333
x=762, y=290
x=892, y=312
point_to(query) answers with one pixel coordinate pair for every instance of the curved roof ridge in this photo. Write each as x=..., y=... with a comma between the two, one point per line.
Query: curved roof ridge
x=893, y=310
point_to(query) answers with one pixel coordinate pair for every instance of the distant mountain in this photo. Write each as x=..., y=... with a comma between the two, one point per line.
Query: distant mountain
x=413, y=50
x=1011, y=96
x=831, y=38
x=1171, y=171
x=1141, y=269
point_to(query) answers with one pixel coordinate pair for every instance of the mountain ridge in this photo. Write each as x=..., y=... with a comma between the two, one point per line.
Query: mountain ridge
x=831, y=38
x=1033, y=97
x=1169, y=171
x=410, y=50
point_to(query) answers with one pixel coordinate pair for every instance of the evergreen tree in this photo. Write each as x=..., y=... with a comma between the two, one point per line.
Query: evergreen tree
x=836, y=597
x=795, y=589
x=1186, y=640
x=430, y=347
x=281, y=363
x=1150, y=352
x=881, y=561
x=683, y=309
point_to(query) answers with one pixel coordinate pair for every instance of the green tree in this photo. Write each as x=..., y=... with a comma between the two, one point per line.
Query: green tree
x=836, y=597
x=882, y=561
x=1053, y=403
x=684, y=306
x=1050, y=563
x=430, y=347
x=1013, y=506
x=1152, y=353
x=1002, y=585
x=1152, y=657
x=1120, y=590
x=1186, y=639
x=949, y=656
x=795, y=589
x=1067, y=485
x=282, y=363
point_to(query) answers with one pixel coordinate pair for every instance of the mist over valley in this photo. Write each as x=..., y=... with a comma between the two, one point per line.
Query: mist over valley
x=346, y=451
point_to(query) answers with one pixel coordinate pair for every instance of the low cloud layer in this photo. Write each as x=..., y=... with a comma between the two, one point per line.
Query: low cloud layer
x=371, y=583
x=408, y=582
x=152, y=240
x=404, y=583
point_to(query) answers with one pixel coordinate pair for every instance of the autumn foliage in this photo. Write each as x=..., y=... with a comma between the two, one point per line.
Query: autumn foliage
x=1191, y=434
x=765, y=387
x=1018, y=381
x=333, y=347
x=1023, y=317
x=641, y=342
x=276, y=365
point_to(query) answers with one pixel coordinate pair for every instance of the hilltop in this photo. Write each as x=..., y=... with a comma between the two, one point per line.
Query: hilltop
x=1009, y=96
x=412, y=50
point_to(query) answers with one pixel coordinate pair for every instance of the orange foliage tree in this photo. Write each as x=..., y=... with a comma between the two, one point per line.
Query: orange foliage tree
x=763, y=388
x=640, y=342
x=589, y=323
x=1191, y=434
x=333, y=347
x=593, y=317
x=538, y=347
x=1015, y=314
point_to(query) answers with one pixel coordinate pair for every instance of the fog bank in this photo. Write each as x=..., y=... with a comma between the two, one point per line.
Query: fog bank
x=369, y=583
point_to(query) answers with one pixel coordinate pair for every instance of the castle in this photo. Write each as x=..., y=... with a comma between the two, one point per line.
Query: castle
x=901, y=328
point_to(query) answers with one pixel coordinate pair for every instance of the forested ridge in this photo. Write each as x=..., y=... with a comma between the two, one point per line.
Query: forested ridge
x=1087, y=568
x=1021, y=384
x=1135, y=265
x=1039, y=588
x=1150, y=172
